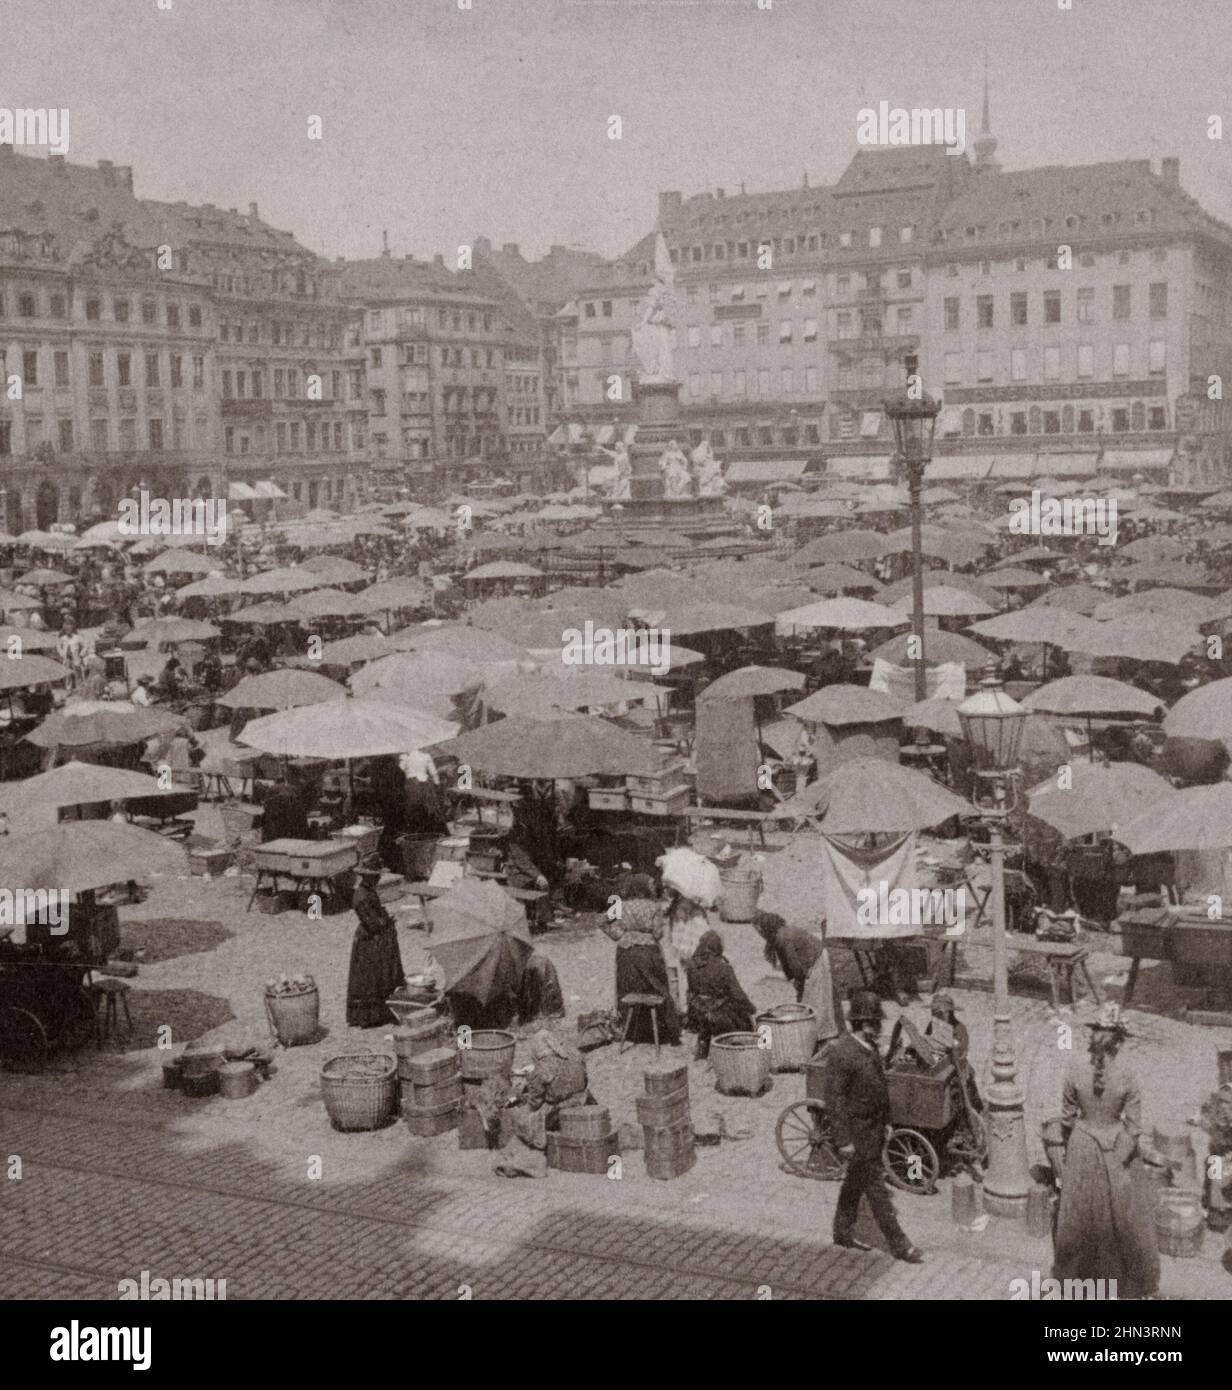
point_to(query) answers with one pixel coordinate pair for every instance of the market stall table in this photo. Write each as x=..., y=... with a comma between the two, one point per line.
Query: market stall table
x=311, y=865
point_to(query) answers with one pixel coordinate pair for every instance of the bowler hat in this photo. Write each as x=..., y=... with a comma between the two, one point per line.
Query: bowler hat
x=865, y=1007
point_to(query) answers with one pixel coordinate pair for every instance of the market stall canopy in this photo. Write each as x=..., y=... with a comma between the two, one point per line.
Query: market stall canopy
x=1053, y=625
x=480, y=939
x=944, y=601
x=1194, y=818
x=390, y=595
x=336, y=569
x=875, y=796
x=571, y=746
x=1091, y=695
x=15, y=602
x=476, y=645
x=283, y=689
x=339, y=729
x=160, y=630
x=286, y=580
x=504, y=569
x=1174, y=604
x=938, y=716
x=937, y=579
x=18, y=672
x=420, y=680
x=75, y=784
x=1154, y=548
x=751, y=681
x=1203, y=713
x=1016, y=579
x=91, y=722
x=87, y=854
x=26, y=639
x=1074, y=598
x=260, y=614
x=840, y=614
x=1135, y=639
x=834, y=579
x=349, y=651
x=843, y=547
x=1097, y=797
x=1177, y=574
x=215, y=586
x=46, y=540
x=327, y=603
x=45, y=579
x=939, y=648
x=846, y=704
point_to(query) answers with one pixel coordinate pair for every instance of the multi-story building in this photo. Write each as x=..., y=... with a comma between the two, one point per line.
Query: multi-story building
x=112, y=318
x=435, y=365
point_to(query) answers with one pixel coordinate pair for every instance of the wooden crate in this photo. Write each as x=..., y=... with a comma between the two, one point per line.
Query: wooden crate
x=668, y=779
x=582, y=1155
x=585, y=1122
x=665, y=1081
x=668, y=1152
x=673, y=803
x=608, y=799
x=663, y=1111
x=427, y=1122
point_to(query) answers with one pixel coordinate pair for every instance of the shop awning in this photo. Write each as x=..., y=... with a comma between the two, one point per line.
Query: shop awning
x=764, y=470
x=269, y=490
x=869, y=467
x=557, y=436
x=1013, y=466
x=1135, y=460
x=241, y=492
x=1067, y=465
x=961, y=467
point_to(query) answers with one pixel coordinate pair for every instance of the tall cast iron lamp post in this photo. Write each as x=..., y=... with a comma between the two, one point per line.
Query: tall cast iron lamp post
x=992, y=725
x=914, y=416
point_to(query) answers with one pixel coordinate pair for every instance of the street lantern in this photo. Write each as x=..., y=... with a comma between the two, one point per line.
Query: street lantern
x=914, y=417
x=992, y=724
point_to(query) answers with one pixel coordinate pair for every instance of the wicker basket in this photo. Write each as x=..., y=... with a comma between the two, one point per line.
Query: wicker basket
x=741, y=1065
x=793, y=1035
x=294, y=1018
x=360, y=1102
x=741, y=890
x=490, y=1053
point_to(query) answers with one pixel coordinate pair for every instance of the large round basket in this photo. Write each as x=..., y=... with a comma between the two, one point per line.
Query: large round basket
x=489, y=1053
x=793, y=1035
x=294, y=1017
x=741, y=890
x=360, y=1090
x=741, y=1065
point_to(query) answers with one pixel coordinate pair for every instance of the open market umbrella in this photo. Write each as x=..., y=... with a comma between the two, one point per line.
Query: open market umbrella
x=283, y=581
x=567, y=746
x=327, y=603
x=103, y=722
x=283, y=689
x=260, y=615
x=944, y=601
x=842, y=547
x=1194, y=818
x=1051, y=625
x=840, y=614
x=181, y=562
x=1203, y=713
x=17, y=673
x=836, y=579
x=473, y=644
x=44, y=579
x=86, y=854
x=1074, y=598
x=213, y=586
x=348, y=651
x=875, y=796
x=340, y=729
x=938, y=716
x=336, y=569
x=1016, y=579
x=480, y=939
x=160, y=630
x=562, y=688
x=26, y=639
x=1096, y=797
x=392, y=594
x=1191, y=610
x=940, y=647
x=417, y=679
x=751, y=681
x=846, y=704
x=75, y=784
x=1135, y=639
x=692, y=619
x=1090, y=695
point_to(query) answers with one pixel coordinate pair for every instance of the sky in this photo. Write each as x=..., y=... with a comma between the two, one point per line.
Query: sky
x=439, y=123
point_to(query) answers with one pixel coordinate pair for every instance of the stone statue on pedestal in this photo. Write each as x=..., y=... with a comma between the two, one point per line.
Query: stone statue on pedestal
x=654, y=333
x=622, y=483
x=677, y=481
x=707, y=471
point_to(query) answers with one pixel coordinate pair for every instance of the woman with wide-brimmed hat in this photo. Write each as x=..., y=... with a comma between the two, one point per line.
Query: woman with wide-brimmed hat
x=1105, y=1222
x=376, y=959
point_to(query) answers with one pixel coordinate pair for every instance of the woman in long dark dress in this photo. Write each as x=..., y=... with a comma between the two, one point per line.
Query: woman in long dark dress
x=717, y=1004
x=1105, y=1223
x=376, y=960
x=641, y=967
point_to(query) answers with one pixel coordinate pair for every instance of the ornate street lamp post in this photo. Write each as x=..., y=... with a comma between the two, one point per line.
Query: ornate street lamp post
x=992, y=725
x=914, y=415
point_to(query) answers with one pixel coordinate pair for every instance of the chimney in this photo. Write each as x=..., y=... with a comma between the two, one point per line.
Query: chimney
x=125, y=172
x=252, y=211
x=670, y=205
x=1170, y=170
x=107, y=169
x=511, y=248
x=718, y=193
x=482, y=245
x=385, y=245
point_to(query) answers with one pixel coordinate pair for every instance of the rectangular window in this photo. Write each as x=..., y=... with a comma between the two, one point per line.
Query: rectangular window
x=953, y=368
x=695, y=383
x=95, y=365
x=1086, y=422
x=149, y=311
x=93, y=310
x=1157, y=418
x=716, y=383
x=57, y=306
x=1052, y=306
x=607, y=308
x=589, y=310
x=903, y=319
x=156, y=434
x=787, y=381
x=1018, y=364
x=60, y=364
x=811, y=383
x=1052, y=364
x=1018, y=307
x=763, y=333
x=983, y=310
x=984, y=422
x=177, y=369
x=738, y=384
x=983, y=366
x=1086, y=305
x=1120, y=420
x=128, y=434
x=98, y=436
x=198, y=379
x=229, y=439
x=737, y=335
x=1018, y=422
x=1086, y=360
x=173, y=315
x=124, y=368
x=874, y=236
x=1121, y=301
x=845, y=323
x=1052, y=422
x=241, y=384
x=1120, y=359
x=26, y=307
x=1158, y=299
x=29, y=368
x=1157, y=351
x=194, y=316
x=951, y=315
x=151, y=369
x=64, y=432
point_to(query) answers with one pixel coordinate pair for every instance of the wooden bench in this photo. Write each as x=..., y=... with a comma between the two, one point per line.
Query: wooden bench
x=1063, y=959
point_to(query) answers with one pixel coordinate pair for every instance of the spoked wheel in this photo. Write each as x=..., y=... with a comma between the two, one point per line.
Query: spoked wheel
x=911, y=1162
x=23, y=1039
x=806, y=1141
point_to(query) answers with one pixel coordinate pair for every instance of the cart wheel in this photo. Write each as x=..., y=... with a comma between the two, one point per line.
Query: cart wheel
x=79, y=1023
x=969, y=1142
x=806, y=1142
x=23, y=1039
x=911, y=1162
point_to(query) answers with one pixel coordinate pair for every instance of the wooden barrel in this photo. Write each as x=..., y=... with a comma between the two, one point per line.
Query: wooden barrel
x=741, y=890
x=792, y=1029
x=1179, y=1223
x=428, y=1068
x=662, y=1081
x=489, y=1053
x=661, y=1112
x=741, y=1065
x=237, y=1080
x=585, y=1122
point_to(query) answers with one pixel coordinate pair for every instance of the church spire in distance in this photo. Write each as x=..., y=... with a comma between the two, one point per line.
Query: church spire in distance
x=984, y=146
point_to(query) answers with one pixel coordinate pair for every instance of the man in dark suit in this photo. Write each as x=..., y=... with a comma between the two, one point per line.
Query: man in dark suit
x=286, y=813
x=858, y=1107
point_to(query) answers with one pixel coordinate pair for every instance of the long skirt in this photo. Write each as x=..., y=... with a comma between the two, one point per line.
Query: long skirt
x=1105, y=1221
x=376, y=971
x=642, y=970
